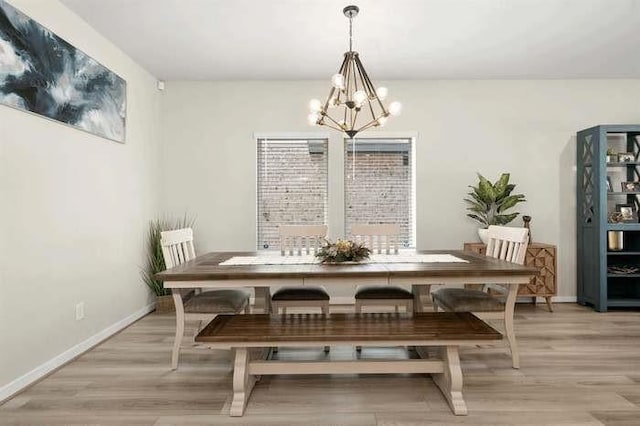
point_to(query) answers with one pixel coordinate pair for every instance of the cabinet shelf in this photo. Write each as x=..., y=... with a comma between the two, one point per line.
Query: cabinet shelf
x=623, y=192
x=623, y=226
x=625, y=164
x=623, y=303
x=623, y=253
x=623, y=275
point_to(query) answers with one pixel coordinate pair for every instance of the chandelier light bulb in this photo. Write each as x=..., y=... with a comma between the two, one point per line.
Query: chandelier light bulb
x=382, y=93
x=359, y=97
x=382, y=121
x=338, y=81
x=395, y=108
x=313, y=118
x=315, y=105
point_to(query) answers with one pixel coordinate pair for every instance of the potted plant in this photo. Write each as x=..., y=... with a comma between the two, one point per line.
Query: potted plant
x=488, y=203
x=155, y=261
x=612, y=156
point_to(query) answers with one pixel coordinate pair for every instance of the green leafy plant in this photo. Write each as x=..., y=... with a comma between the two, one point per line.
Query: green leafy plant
x=488, y=201
x=155, y=260
x=342, y=251
x=611, y=151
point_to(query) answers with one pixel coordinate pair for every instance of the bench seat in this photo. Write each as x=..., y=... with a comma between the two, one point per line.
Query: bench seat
x=252, y=335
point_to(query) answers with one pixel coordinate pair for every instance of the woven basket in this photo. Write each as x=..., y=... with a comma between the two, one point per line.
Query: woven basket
x=164, y=304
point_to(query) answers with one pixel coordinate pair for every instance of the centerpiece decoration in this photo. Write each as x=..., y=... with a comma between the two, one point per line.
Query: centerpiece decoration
x=342, y=251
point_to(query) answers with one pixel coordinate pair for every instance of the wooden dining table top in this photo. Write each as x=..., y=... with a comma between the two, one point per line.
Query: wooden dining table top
x=207, y=267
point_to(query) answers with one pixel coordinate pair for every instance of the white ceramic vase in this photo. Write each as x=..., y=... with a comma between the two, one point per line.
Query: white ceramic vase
x=483, y=233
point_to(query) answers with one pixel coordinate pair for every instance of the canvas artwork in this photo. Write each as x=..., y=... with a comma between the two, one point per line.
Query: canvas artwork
x=43, y=74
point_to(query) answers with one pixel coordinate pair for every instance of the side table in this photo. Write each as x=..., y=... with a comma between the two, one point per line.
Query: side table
x=543, y=257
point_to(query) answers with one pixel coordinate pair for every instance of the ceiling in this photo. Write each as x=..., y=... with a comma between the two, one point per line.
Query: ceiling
x=397, y=39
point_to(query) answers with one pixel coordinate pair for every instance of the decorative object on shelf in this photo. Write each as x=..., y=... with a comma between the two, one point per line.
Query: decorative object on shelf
x=609, y=186
x=615, y=217
x=612, y=157
x=155, y=261
x=615, y=240
x=43, y=74
x=342, y=251
x=353, y=104
x=622, y=269
x=488, y=203
x=630, y=186
x=526, y=220
x=625, y=157
x=628, y=212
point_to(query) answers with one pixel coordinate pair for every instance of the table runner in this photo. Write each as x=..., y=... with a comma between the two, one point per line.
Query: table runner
x=277, y=259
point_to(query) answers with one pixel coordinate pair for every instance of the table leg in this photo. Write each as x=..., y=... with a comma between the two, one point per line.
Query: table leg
x=450, y=380
x=262, y=303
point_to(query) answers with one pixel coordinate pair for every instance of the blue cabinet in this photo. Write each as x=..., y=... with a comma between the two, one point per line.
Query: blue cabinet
x=608, y=231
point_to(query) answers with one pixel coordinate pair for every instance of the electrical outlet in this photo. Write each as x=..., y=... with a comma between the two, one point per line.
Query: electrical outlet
x=79, y=311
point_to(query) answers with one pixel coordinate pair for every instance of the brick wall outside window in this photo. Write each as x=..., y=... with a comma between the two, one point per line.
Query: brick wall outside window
x=379, y=185
x=292, y=186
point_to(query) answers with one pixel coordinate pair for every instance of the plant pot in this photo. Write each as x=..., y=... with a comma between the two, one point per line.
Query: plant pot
x=164, y=304
x=483, y=233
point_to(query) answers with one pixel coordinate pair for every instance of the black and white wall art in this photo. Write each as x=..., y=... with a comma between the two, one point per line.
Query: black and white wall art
x=43, y=74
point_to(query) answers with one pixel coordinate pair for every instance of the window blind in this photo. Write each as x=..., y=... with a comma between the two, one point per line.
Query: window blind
x=379, y=184
x=292, y=186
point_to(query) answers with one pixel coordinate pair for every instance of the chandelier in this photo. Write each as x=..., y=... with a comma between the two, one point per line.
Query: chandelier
x=353, y=104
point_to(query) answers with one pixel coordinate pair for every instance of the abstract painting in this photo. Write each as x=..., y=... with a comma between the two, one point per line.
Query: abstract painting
x=43, y=74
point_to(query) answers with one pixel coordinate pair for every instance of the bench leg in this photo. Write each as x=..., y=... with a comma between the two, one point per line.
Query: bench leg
x=243, y=382
x=450, y=381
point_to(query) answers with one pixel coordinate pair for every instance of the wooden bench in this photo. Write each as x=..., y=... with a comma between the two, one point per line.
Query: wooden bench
x=251, y=336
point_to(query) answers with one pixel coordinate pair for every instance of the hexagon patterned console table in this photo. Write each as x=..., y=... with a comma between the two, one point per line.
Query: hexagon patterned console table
x=543, y=257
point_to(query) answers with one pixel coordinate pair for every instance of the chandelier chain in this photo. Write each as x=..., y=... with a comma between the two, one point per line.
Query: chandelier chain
x=350, y=34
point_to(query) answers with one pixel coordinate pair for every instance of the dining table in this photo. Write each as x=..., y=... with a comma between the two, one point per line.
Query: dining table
x=417, y=269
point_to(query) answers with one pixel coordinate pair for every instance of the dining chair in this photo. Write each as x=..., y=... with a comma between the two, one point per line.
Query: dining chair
x=380, y=238
x=193, y=304
x=298, y=240
x=504, y=243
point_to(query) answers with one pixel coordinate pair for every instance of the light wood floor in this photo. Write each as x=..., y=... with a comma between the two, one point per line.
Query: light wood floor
x=579, y=367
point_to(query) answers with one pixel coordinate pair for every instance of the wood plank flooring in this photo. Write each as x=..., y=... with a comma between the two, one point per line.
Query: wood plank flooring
x=579, y=367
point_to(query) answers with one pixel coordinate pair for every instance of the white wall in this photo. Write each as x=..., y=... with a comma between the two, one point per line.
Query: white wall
x=74, y=208
x=523, y=127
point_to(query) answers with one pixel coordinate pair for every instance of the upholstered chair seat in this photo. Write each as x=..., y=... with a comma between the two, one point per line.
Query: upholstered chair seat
x=384, y=293
x=215, y=302
x=466, y=300
x=300, y=293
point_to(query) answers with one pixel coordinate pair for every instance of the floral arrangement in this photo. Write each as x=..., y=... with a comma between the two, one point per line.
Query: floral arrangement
x=342, y=251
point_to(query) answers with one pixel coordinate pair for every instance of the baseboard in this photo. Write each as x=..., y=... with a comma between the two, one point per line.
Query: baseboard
x=39, y=372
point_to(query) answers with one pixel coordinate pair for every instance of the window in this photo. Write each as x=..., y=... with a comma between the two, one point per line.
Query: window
x=379, y=182
x=292, y=186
